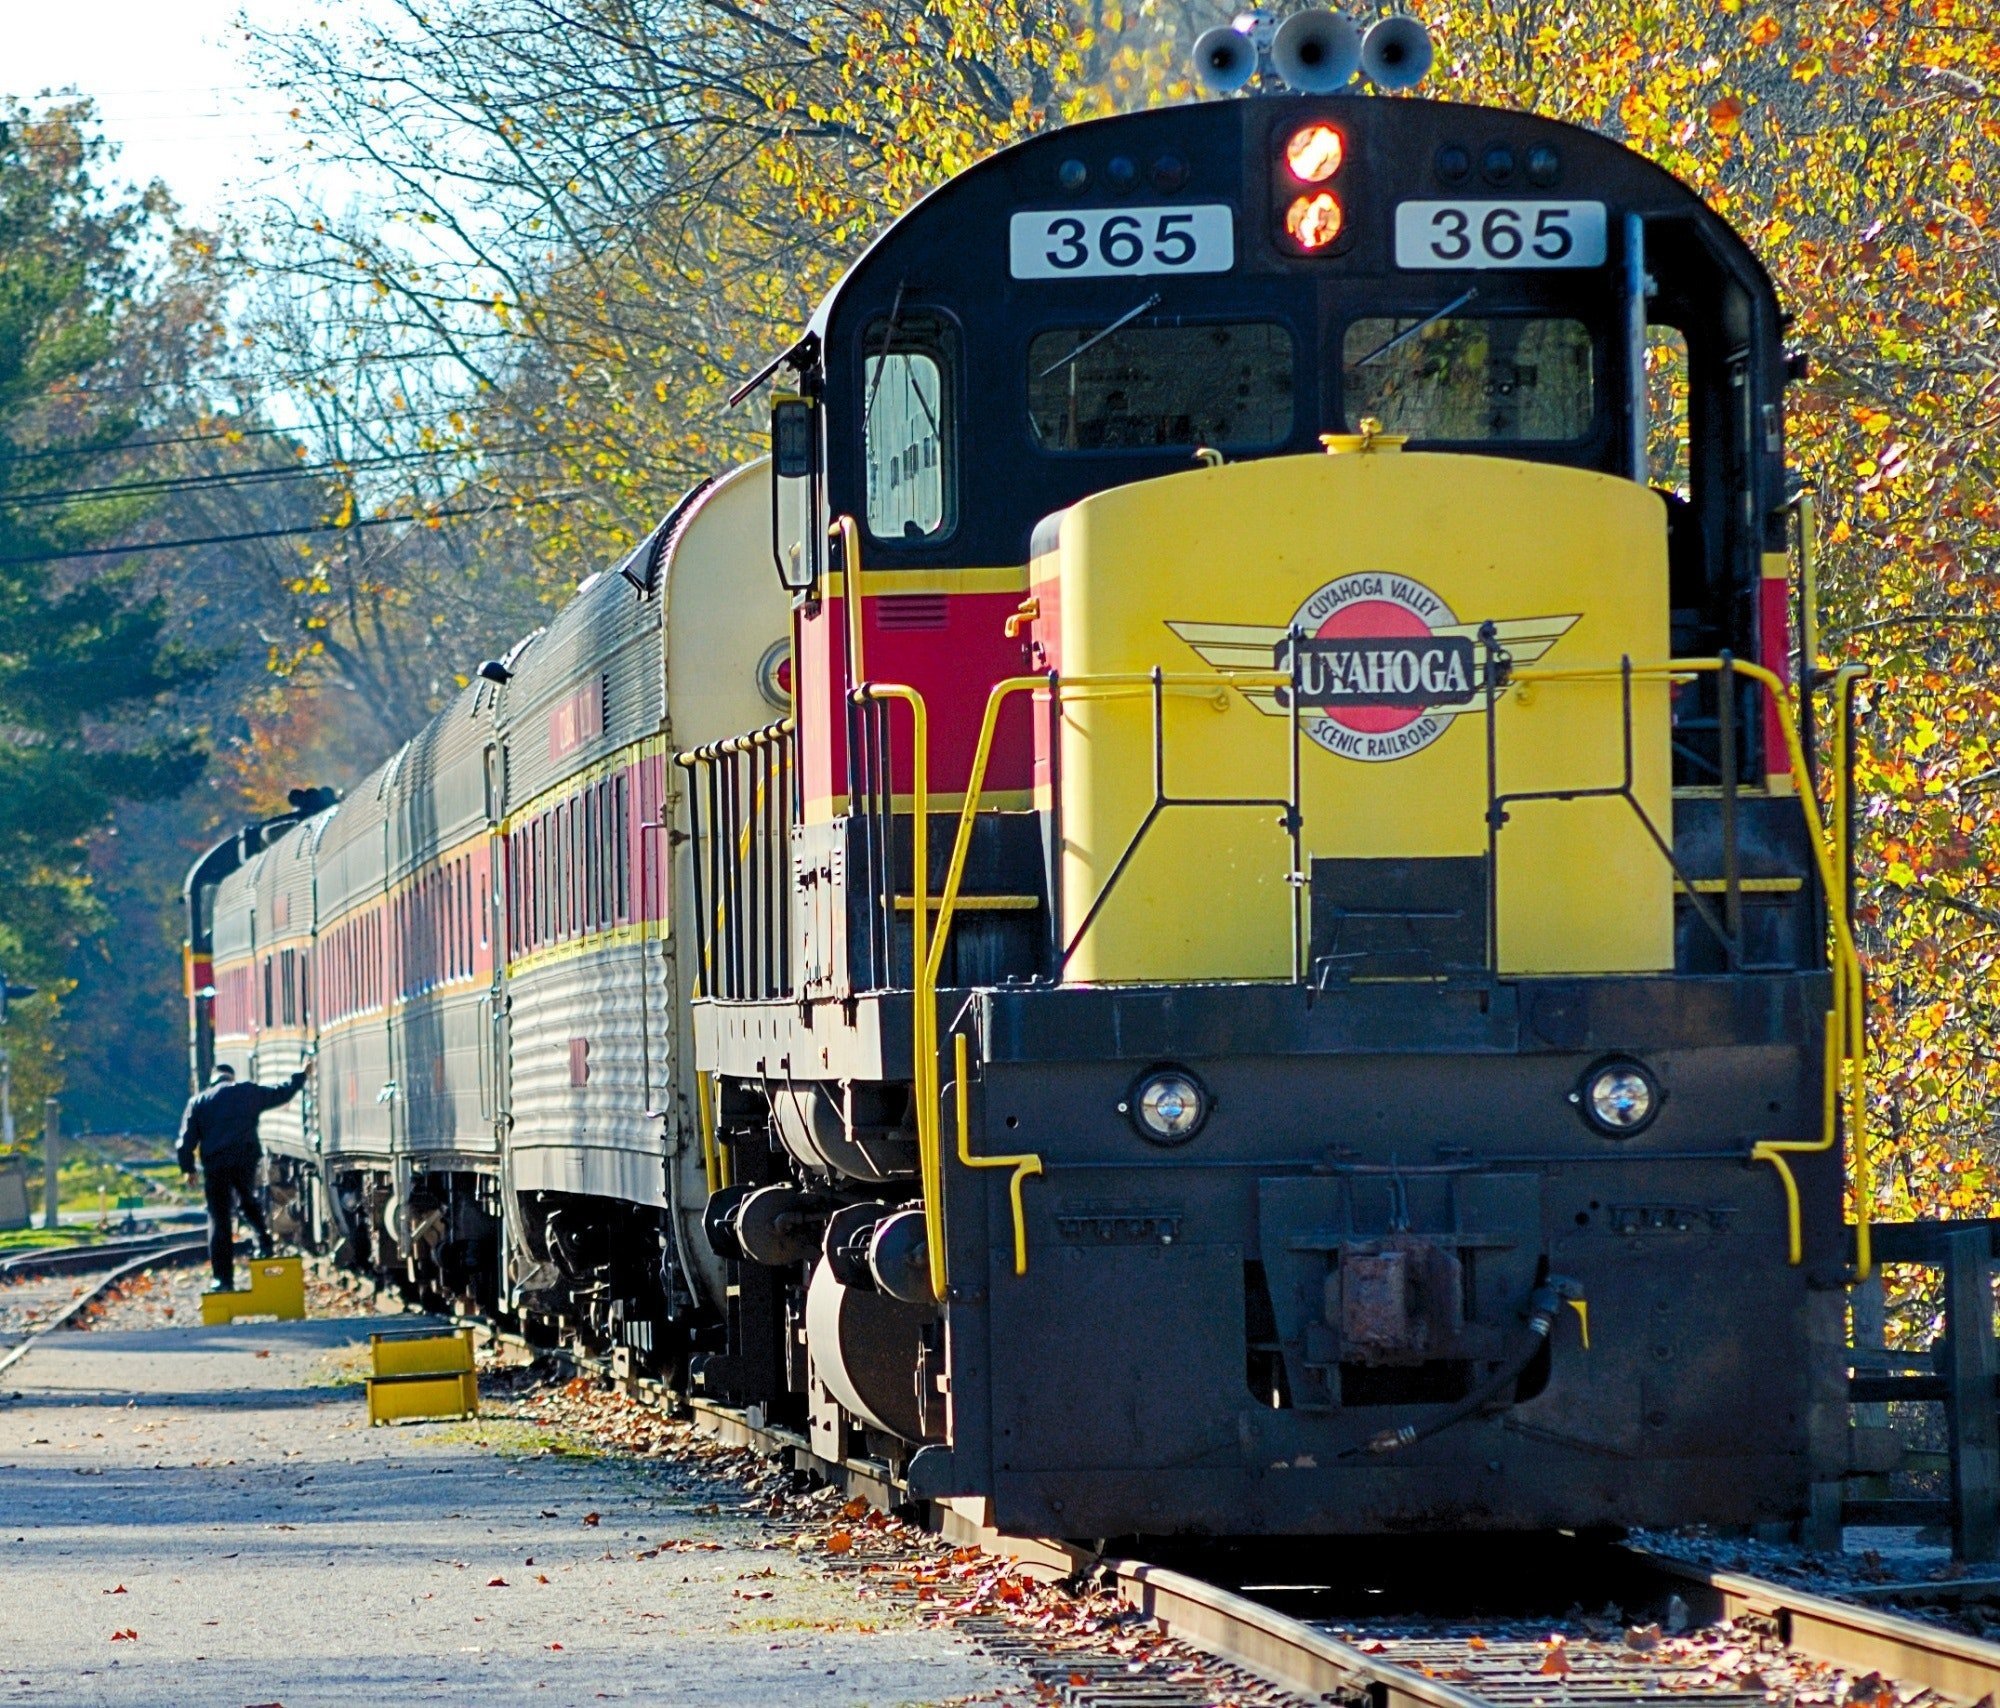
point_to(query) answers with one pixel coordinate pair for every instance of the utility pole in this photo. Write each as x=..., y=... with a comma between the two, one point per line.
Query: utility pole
x=52, y=1162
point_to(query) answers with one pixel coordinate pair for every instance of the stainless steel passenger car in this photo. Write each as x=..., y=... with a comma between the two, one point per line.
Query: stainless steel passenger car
x=485, y=934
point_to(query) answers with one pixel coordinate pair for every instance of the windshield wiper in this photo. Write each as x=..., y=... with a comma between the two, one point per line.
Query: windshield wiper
x=1124, y=319
x=882, y=361
x=1408, y=333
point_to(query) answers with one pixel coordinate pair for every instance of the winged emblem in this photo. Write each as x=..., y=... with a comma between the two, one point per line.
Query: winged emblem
x=1381, y=664
x=1254, y=646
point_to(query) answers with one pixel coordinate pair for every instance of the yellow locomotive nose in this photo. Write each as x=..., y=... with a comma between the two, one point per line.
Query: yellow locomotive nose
x=1409, y=602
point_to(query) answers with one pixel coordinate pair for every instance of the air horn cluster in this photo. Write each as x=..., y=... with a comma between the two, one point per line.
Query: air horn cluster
x=1312, y=53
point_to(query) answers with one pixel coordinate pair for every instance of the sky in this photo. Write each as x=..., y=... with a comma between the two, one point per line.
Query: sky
x=170, y=80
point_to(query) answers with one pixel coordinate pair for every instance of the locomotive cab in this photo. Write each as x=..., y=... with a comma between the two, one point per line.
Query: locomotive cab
x=1293, y=865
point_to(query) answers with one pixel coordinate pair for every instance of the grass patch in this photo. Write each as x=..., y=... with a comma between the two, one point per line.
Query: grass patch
x=346, y=1368
x=34, y=1239
x=513, y=1438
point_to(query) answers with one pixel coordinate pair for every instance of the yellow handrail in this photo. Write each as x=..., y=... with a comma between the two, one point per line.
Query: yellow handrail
x=1845, y=680
x=949, y=900
x=711, y=1152
x=1846, y=1022
x=1023, y=1165
x=923, y=994
x=1846, y=1030
x=843, y=528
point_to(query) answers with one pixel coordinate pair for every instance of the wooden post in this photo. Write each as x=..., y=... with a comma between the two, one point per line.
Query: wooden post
x=1970, y=1365
x=51, y=1163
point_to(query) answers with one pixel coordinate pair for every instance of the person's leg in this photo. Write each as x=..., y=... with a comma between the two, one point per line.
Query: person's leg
x=218, y=1188
x=253, y=1208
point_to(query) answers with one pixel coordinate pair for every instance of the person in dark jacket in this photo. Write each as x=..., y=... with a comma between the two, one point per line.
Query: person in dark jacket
x=220, y=1126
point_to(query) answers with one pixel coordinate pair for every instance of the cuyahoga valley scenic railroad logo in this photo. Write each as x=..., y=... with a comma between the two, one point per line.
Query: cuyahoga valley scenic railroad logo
x=1383, y=665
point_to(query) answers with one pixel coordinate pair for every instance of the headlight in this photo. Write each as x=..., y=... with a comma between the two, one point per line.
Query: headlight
x=1618, y=1097
x=1314, y=152
x=1312, y=222
x=1168, y=1106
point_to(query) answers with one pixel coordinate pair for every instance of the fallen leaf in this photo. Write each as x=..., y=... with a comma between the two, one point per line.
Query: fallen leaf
x=264, y=1354
x=125, y=1636
x=592, y=1517
x=555, y=1645
x=120, y=1590
x=496, y=1583
x=854, y=1508
x=1555, y=1664
x=840, y=1542
x=541, y=1577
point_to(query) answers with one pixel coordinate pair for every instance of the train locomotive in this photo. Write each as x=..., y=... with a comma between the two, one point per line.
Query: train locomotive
x=1201, y=908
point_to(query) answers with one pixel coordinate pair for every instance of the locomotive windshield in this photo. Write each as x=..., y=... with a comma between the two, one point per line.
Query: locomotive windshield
x=1153, y=386
x=1477, y=377
x=907, y=430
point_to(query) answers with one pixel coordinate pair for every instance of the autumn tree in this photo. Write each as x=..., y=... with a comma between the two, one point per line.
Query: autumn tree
x=599, y=215
x=1854, y=146
x=86, y=673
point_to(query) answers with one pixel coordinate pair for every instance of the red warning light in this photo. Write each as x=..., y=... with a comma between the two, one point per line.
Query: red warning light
x=1315, y=152
x=1312, y=222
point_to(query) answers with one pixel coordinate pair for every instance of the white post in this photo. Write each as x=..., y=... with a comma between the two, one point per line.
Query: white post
x=6, y=1099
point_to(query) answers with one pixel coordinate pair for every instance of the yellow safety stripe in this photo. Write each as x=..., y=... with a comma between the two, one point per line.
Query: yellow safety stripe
x=647, y=747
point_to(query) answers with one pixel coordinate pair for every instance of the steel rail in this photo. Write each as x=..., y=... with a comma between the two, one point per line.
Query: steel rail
x=1301, y=1657
x=1843, y=1633
x=1290, y=1652
x=64, y=1259
x=189, y=1251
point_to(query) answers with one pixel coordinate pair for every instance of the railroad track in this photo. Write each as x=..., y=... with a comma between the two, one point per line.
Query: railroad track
x=1748, y=1641
x=1272, y=1637
x=81, y=1259
x=123, y=1267
x=1780, y=1644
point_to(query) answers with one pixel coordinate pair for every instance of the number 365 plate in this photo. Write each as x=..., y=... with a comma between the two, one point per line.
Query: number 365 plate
x=1098, y=243
x=1499, y=234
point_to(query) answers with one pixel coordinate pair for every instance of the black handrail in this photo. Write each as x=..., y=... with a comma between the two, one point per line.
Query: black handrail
x=742, y=804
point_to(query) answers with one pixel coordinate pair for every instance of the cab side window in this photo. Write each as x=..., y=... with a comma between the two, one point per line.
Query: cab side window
x=908, y=431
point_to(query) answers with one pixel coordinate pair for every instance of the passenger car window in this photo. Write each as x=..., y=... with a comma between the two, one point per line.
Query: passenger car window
x=1470, y=377
x=907, y=430
x=1146, y=387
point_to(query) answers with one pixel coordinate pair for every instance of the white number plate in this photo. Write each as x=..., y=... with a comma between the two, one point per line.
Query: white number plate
x=1500, y=234
x=1098, y=243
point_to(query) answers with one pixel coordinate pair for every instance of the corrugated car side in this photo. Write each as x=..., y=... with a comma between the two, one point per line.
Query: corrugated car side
x=588, y=1054
x=284, y=915
x=441, y=848
x=355, y=1082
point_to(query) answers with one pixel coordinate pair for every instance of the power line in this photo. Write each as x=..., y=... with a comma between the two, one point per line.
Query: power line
x=232, y=477
x=207, y=438
x=280, y=533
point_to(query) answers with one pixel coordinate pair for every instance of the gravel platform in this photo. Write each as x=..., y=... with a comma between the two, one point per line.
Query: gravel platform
x=194, y=1516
